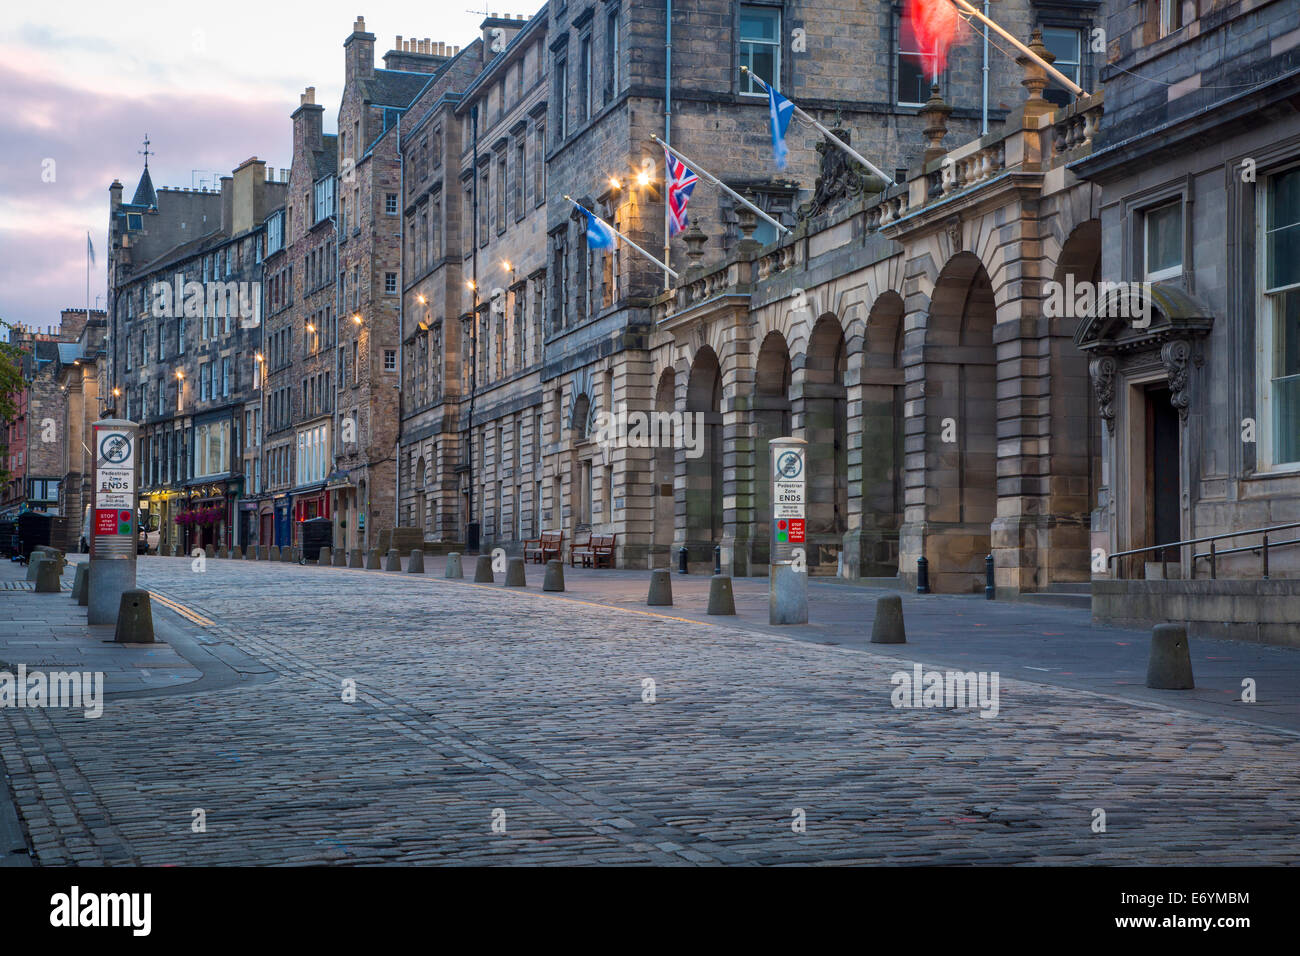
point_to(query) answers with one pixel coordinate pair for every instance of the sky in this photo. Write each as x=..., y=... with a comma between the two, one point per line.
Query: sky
x=82, y=83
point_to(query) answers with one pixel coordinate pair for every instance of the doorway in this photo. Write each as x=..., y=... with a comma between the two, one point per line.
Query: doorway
x=1163, y=472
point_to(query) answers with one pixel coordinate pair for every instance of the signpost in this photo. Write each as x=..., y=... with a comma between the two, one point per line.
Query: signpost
x=788, y=575
x=113, y=528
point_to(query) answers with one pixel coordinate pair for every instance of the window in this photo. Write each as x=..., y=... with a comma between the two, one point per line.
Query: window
x=539, y=164
x=561, y=100
x=484, y=206
x=760, y=47
x=1280, y=317
x=521, y=172
x=390, y=204
x=1162, y=241
x=1172, y=16
x=134, y=221
x=1066, y=45
x=225, y=376
x=390, y=360
x=390, y=283
x=162, y=397
x=915, y=67
x=180, y=336
x=324, y=199
x=203, y=381
x=612, y=54
x=501, y=193
x=584, y=79
x=211, y=446
x=275, y=233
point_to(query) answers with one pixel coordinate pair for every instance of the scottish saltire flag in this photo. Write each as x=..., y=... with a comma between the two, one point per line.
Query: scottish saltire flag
x=780, y=109
x=681, y=183
x=599, y=233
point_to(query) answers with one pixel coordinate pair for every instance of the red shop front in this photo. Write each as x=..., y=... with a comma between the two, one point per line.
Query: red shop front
x=315, y=504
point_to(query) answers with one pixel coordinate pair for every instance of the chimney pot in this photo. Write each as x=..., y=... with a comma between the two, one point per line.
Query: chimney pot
x=398, y=44
x=360, y=25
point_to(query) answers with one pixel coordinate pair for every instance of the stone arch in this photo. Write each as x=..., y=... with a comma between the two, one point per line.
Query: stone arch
x=664, y=467
x=823, y=401
x=960, y=425
x=421, y=504
x=704, y=510
x=772, y=419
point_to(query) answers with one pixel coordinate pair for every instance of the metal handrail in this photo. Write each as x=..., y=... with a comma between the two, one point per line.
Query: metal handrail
x=1213, y=553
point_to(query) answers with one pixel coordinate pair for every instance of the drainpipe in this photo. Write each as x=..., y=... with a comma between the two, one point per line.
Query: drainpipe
x=472, y=528
x=668, y=112
x=401, y=318
x=984, y=118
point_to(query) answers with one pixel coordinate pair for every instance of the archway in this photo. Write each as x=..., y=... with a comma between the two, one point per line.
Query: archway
x=825, y=422
x=960, y=426
x=421, y=500
x=876, y=553
x=704, y=516
x=772, y=419
x=662, y=491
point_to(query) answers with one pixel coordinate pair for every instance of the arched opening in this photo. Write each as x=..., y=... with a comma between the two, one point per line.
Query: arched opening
x=960, y=426
x=360, y=523
x=704, y=517
x=826, y=431
x=1076, y=420
x=664, y=507
x=882, y=438
x=772, y=419
x=421, y=502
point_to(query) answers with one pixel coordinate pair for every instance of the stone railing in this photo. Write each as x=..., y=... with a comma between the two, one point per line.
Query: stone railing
x=1075, y=127
x=958, y=172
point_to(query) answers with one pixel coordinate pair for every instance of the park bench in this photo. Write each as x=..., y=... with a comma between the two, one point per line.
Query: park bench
x=596, y=551
x=543, y=549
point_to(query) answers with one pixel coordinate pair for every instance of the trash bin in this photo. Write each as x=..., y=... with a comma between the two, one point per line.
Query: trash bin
x=317, y=533
x=33, y=530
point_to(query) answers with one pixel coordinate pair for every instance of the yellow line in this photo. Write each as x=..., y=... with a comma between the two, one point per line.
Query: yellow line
x=550, y=595
x=182, y=610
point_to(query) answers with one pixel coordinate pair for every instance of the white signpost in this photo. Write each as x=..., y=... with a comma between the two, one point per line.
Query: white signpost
x=113, y=519
x=788, y=571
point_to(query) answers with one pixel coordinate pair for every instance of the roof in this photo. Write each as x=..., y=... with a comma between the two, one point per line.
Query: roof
x=144, y=193
x=394, y=88
x=69, y=352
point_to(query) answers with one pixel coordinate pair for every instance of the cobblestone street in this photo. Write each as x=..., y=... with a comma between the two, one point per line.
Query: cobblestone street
x=475, y=703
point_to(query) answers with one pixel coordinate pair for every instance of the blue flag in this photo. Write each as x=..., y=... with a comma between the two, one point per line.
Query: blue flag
x=780, y=109
x=599, y=234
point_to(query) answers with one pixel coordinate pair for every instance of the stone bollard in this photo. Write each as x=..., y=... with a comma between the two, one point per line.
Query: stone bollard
x=264, y=552
x=454, y=570
x=274, y=554
x=661, y=589
x=134, y=619
x=516, y=577
x=47, y=576
x=34, y=564
x=79, y=579
x=888, y=627
x=1170, y=664
x=415, y=564
x=289, y=555
x=237, y=553
x=325, y=557
x=393, y=562
x=372, y=559
x=356, y=559
x=721, y=598
x=554, y=580
x=787, y=601
x=251, y=553
x=209, y=551
x=483, y=570
x=222, y=553
x=339, y=558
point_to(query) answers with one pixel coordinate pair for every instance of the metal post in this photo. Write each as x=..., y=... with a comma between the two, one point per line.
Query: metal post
x=922, y=575
x=113, y=518
x=1214, y=560
x=682, y=556
x=1266, y=556
x=988, y=577
x=788, y=570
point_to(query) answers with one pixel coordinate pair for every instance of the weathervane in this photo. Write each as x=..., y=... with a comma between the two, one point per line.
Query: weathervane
x=145, y=152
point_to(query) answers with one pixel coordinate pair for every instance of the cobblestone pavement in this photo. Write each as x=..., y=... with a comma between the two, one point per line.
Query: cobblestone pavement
x=474, y=702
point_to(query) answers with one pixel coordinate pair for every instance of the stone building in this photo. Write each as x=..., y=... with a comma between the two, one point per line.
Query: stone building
x=185, y=307
x=1199, y=166
x=84, y=401
x=29, y=440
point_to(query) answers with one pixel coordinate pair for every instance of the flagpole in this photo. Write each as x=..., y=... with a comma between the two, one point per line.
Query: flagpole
x=718, y=182
x=87, y=277
x=621, y=236
x=964, y=7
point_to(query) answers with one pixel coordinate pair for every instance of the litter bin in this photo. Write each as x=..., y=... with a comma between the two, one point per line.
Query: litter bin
x=317, y=533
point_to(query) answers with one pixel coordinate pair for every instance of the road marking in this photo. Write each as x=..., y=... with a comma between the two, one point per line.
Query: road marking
x=183, y=611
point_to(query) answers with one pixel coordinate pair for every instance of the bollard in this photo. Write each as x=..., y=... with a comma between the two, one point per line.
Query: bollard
x=47, y=577
x=483, y=569
x=134, y=619
x=516, y=577
x=288, y=554
x=324, y=557
x=237, y=553
x=274, y=554
x=251, y=553
x=721, y=598
x=554, y=580
x=264, y=552
x=922, y=575
x=339, y=558
x=209, y=551
x=787, y=599
x=454, y=570
x=356, y=559
x=372, y=559
x=34, y=564
x=661, y=589
x=1170, y=664
x=888, y=627
x=717, y=559
x=222, y=553
x=681, y=559
x=79, y=579
x=988, y=577
x=415, y=564
x=393, y=562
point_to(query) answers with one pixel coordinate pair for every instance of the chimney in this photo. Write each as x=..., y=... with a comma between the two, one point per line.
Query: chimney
x=227, y=205
x=308, y=120
x=248, y=195
x=359, y=52
x=115, y=194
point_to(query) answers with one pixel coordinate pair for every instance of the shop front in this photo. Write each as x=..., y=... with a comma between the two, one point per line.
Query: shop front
x=308, y=503
x=206, y=515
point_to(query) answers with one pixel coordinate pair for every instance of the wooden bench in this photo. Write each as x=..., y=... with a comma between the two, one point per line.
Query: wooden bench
x=543, y=549
x=596, y=551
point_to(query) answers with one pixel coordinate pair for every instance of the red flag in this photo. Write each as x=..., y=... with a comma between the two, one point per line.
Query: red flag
x=935, y=24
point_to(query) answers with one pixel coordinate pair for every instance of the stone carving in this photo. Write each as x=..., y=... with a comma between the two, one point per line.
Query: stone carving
x=840, y=180
x=1176, y=356
x=953, y=227
x=1103, y=371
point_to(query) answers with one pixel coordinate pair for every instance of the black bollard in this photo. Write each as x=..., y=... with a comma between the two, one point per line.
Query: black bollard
x=717, y=559
x=922, y=575
x=681, y=560
x=988, y=577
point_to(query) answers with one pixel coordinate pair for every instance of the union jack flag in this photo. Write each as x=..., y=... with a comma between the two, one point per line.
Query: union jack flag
x=681, y=183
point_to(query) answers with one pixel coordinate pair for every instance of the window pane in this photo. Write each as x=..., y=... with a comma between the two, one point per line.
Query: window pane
x=1283, y=230
x=758, y=24
x=1164, y=237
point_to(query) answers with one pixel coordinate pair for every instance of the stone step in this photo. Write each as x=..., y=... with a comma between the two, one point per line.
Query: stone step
x=1058, y=599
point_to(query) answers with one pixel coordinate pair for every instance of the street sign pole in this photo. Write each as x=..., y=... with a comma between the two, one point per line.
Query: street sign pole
x=788, y=575
x=113, y=512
